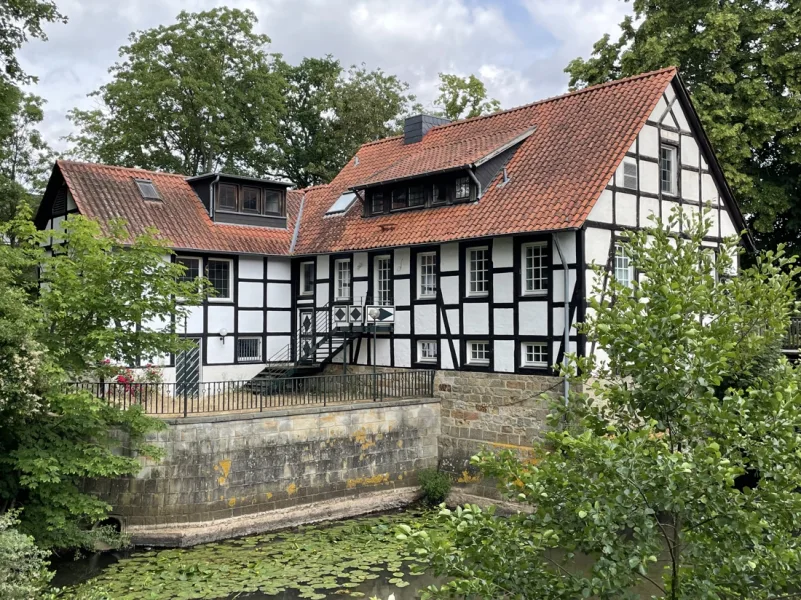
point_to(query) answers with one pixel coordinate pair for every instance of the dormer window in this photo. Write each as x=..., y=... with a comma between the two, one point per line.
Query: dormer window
x=227, y=199
x=417, y=196
x=147, y=189
x=439, y=193
x=273, y=204
x=250, y=200
x=399, y=198
x=378, y=203
x=463, y=188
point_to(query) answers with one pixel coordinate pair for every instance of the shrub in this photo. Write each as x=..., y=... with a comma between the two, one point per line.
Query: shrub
x=23, y=568
x=435, y=486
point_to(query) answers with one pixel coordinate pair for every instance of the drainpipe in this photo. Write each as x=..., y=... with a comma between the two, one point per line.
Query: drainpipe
x=211, y=196
x=566, y=278
x=477, y=182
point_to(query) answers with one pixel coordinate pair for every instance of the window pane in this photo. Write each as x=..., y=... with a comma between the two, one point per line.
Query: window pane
x=378, y=203
x=463, y=188
x=399, y=199
x=343, y=279
x=624, y=271
x=416, y=196
x=250, y=199
x=272, y=202
x=479, y=352
x=439, y=193
x=227, y=200
x=428, y=351
x=536, y=354
x=428, y=277
x=479, y=271
x=667, y=168
x=192, y=266
x=535, y=268
x=383, y=282
x=219, y=274
x=630, y=175
x=248, y=349
x=307, y=278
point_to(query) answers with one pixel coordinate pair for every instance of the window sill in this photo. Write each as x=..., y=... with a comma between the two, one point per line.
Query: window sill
x=478, y=294
x=427, y=297
x=428, y=361
x=219, y=300
x=534, y=366
x=535, y=294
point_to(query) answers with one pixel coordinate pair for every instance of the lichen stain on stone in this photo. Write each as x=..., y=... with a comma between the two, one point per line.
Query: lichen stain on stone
x=526, y=452
x=468, y=478
x=224, y=466
x=292, y=489
x=360, y=437
x=400, y=443
x=232, y=502
x=268, y=495
x=365, y=481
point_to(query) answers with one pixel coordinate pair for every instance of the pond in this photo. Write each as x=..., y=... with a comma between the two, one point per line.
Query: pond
x=357, y=558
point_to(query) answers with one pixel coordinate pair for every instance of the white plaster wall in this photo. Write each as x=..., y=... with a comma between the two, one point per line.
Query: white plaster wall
x=231, y=372
x=279, y=321
x=660, y=108
x=626, y=209
x=559, y=323
x=219, y=350
x=382, y=352
x=533, y=317
x=402, y=322
x=220, y=317
x=727, y=227
x=251, y=294
x=504, y=355
x=453, y=321
x=648, y=207
x=193, y=322
x=567, y=241
x=689, y=185
x=597, y=245
x=359, y=292
x=279, y=268
x=690, y=154
x=450, y=289
x=649, y=177
x=503, y=287
x=71, y=202
x=602, y=211
x=559, y=285
x=275, y=344
x=402, y=261
x=649, y=141
x=403, y=353
x=251, y=267
x=502, y=253
x=251, y=321
x=504, y=321
x=446, y=360
x=425, y=319
x=449, y=257
x=402, y=293
x=476, y=318
x=279, y=295
x=709, y=191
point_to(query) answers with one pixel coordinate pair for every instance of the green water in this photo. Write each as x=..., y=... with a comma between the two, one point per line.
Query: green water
x=358, y=558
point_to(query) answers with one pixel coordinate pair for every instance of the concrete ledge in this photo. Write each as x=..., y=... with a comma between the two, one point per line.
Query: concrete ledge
x=297, y=410
x=185, y=535
x=460, y=497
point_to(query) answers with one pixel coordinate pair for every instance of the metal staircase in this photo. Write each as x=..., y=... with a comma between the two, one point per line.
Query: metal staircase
x=322, y=333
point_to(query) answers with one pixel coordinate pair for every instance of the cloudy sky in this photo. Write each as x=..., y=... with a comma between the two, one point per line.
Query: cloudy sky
x=519, y=48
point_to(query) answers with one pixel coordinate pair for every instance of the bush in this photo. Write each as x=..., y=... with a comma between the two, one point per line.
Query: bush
x=435, y=486
x=23, y=568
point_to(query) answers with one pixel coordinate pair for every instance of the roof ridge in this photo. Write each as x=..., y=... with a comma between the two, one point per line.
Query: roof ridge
x=382, y=140
x=591, y=88
x=117, y=167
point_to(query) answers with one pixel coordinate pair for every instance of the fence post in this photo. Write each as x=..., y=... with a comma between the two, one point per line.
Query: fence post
x=186, y=397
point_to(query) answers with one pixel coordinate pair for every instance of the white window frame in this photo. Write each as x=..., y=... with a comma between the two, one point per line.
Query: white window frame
x=382, y=297
x=472, y=359
x=674, y=156
x=474, y=283
x=255, y=359
x=425, y=256
x=424, y=348
x=544, y=270
x=630, y=163
x=537, y=364
x=304, y=280
x=623, y=269
x=218, y=298
x=342, y=284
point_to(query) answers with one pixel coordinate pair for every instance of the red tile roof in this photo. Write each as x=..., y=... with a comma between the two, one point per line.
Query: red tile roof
x=557, y=174
x=105, y=192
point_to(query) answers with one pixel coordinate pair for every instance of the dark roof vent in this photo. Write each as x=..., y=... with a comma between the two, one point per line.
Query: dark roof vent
x=147, y=189
x=414, y=128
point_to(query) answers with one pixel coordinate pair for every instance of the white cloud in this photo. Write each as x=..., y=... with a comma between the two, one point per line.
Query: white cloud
x=518, y=47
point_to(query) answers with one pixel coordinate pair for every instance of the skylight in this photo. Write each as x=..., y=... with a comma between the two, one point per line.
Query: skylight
x=342, y=204
x=147, y=189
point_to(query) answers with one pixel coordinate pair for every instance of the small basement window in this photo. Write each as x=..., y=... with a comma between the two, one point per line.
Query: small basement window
x=427, y=351
x=535, y=354
x=342, y=204
x=479, y=353
x=248, y=349
x=147, y=189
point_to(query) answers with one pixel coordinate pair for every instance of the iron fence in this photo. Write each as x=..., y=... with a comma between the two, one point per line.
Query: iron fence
x=169, y=399
x=792, y=339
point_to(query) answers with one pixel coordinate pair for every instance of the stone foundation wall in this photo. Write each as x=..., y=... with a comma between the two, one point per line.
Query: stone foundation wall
x=220, y=467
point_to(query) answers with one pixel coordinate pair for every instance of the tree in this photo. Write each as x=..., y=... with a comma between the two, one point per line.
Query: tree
x=740, y=61
x=330, y=112
x=196, y=96
x=19, y=20
x=674, y=472
x=58, y=330
x=464, y=97
x=23, y=568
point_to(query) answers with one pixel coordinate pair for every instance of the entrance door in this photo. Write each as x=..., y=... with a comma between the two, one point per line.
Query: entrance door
x=187, y=370
x=306, y=335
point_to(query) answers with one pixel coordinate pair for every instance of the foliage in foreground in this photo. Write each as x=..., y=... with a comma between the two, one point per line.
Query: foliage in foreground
x=434, y=485
x=677, y=469
x=50, y=438
x=23, y=568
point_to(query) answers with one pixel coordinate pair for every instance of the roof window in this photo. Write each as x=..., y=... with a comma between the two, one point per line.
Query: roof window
x=342, y=204
x=147, y=189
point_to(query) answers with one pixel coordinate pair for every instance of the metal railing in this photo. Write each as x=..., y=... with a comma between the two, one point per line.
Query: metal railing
x=259, y=395
x=792, y=339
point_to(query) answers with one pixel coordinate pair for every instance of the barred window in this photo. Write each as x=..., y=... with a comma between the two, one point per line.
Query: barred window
x=427, y=274
x=535, y=268
x=218, y=272
x=479, y=271
x=535, y=354
x=248, y=349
